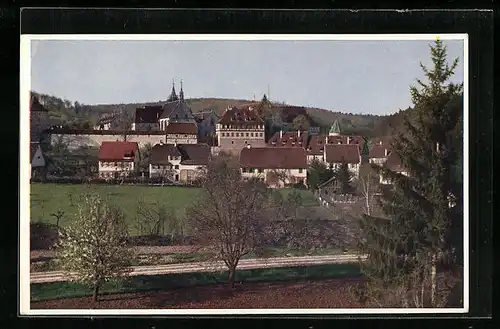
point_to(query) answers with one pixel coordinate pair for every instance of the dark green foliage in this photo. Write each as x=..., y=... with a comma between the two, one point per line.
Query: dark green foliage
x=344, y=178
x=317, y=174
x=419, y=228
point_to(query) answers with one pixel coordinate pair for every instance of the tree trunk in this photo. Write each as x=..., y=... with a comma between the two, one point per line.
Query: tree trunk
x=433, y=281
x=232, y=271
x=96, y=293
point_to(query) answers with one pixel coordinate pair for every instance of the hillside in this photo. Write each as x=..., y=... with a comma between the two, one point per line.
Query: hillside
x=77, y=114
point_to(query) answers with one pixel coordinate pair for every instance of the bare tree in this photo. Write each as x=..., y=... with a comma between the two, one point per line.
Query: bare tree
x=57, y=215
x=367, y=187
x=150, y=218
x=281, y=176
x=230, y=216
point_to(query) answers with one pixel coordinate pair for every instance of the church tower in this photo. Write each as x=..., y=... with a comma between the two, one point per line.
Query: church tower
x=181, y=93
x=334, y=129
x=173, y=96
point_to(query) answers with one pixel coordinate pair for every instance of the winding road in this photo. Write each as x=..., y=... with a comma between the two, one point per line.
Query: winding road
x=244, y=264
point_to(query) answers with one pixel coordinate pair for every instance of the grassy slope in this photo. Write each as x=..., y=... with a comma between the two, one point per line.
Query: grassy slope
x=48, y=198
x=57, y=290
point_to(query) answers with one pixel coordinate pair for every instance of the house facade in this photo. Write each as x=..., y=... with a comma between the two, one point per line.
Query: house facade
x=179, y=163
x=337, y=154
x=181, y=133
x=277, y=167
x=238, y=128
x=378, y=154
x=206, y=121
x=118, y=159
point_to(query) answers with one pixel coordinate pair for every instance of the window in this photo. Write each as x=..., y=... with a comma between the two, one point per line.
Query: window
x=246, y=142
x=232, y=142
x=223, y=134
x=246, y=134
x=116, y=164
x=232, y=134
x=251, y=134
x=186, y=135
x=260, y=171
x=261, y=134
x=244, y=170
x=176, y=167
x=300, y=170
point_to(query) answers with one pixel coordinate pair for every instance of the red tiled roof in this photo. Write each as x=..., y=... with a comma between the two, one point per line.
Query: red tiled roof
x=240, y=115
x=161, y=152
x=289, y=139
x=378, y=152
x=182, y=128
x=118, y=151
x=148, y=114
x=338, y=153
x=316, y=145
x=273, y=158
x=394, y=163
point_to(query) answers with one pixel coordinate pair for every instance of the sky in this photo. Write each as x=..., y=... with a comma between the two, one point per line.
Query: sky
x=371, y=77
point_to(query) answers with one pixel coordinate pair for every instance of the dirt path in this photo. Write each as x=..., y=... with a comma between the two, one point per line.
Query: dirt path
x=333, y=293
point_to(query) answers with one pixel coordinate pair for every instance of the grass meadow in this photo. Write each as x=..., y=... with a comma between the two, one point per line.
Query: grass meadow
x=49, y=198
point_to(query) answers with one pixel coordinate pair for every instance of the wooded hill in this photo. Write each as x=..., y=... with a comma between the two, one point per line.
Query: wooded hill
x=65, y=112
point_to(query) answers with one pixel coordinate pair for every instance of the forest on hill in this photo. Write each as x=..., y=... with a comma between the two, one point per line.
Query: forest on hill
x=74, y=114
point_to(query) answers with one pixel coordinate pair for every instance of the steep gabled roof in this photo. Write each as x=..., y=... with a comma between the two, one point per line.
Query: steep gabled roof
x=177, y=108
x=289, y=139
x=118, y=151
x=189, y=128
x=273, y=158
x=378, y=152
x=148, y=114
x=161, y=152
x=240, y=115
x=335, y=128
x=342, y=153
x=194, y=154
x=36, y=106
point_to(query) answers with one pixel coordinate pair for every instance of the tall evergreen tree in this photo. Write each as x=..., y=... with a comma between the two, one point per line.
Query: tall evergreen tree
x=420, y=226
x=344, y=178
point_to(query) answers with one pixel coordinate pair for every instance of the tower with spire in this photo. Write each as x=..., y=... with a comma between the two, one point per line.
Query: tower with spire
x=334, y=129
x=173, y=96
x=181, y=93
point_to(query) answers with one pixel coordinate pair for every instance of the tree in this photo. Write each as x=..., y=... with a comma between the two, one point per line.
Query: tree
x=367, y=186
x=57, y=215
x=230, y=215
x=419, y=226
x=301, y=122
x=317, y=174
x=281, y=176
x=92, y=249
x=344, y=178
x=145, y=152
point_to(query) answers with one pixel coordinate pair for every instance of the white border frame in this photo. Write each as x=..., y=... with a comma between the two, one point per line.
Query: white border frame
x=24, y=202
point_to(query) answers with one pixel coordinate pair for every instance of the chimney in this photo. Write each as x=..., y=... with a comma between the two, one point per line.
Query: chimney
x=386, y=152
x=380, y=143
x=326, y=139
x=298, y=133
x=348, y=139
x=281, y=134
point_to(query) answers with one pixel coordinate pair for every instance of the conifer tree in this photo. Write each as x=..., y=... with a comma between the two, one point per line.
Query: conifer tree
x=420, y=225
x=344, y=178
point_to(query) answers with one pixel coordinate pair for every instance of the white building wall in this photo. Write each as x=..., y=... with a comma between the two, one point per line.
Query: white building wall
x=145, y=126
x=107, y=169
x=181, y=139
x=74, y=141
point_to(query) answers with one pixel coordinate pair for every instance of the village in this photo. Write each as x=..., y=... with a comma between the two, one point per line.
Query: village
x=181, y=143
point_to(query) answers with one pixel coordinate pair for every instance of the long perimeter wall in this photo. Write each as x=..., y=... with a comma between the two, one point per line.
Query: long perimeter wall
x=75, y=140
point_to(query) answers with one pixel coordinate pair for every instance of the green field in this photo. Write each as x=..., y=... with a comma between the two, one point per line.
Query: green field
x=49, y=198
x=56, y=290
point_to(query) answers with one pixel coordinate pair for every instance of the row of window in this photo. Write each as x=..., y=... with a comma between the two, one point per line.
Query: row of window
x=159, y=167
x=239, y=127
x=116, y=164
x=260, y=171
x=242, y=135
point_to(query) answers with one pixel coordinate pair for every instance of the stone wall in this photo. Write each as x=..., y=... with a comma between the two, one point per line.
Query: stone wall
x=74, y=141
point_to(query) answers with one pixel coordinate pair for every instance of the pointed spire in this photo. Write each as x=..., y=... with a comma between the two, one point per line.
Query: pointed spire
x=173, y=95
x=335, y=129
x=181, y=93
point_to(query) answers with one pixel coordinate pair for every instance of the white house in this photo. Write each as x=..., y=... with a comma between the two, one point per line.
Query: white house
x=178, y=162
x=378, y=154
x=277, y=166
x=37, y=160
x=118, y=159
x=337, y=154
